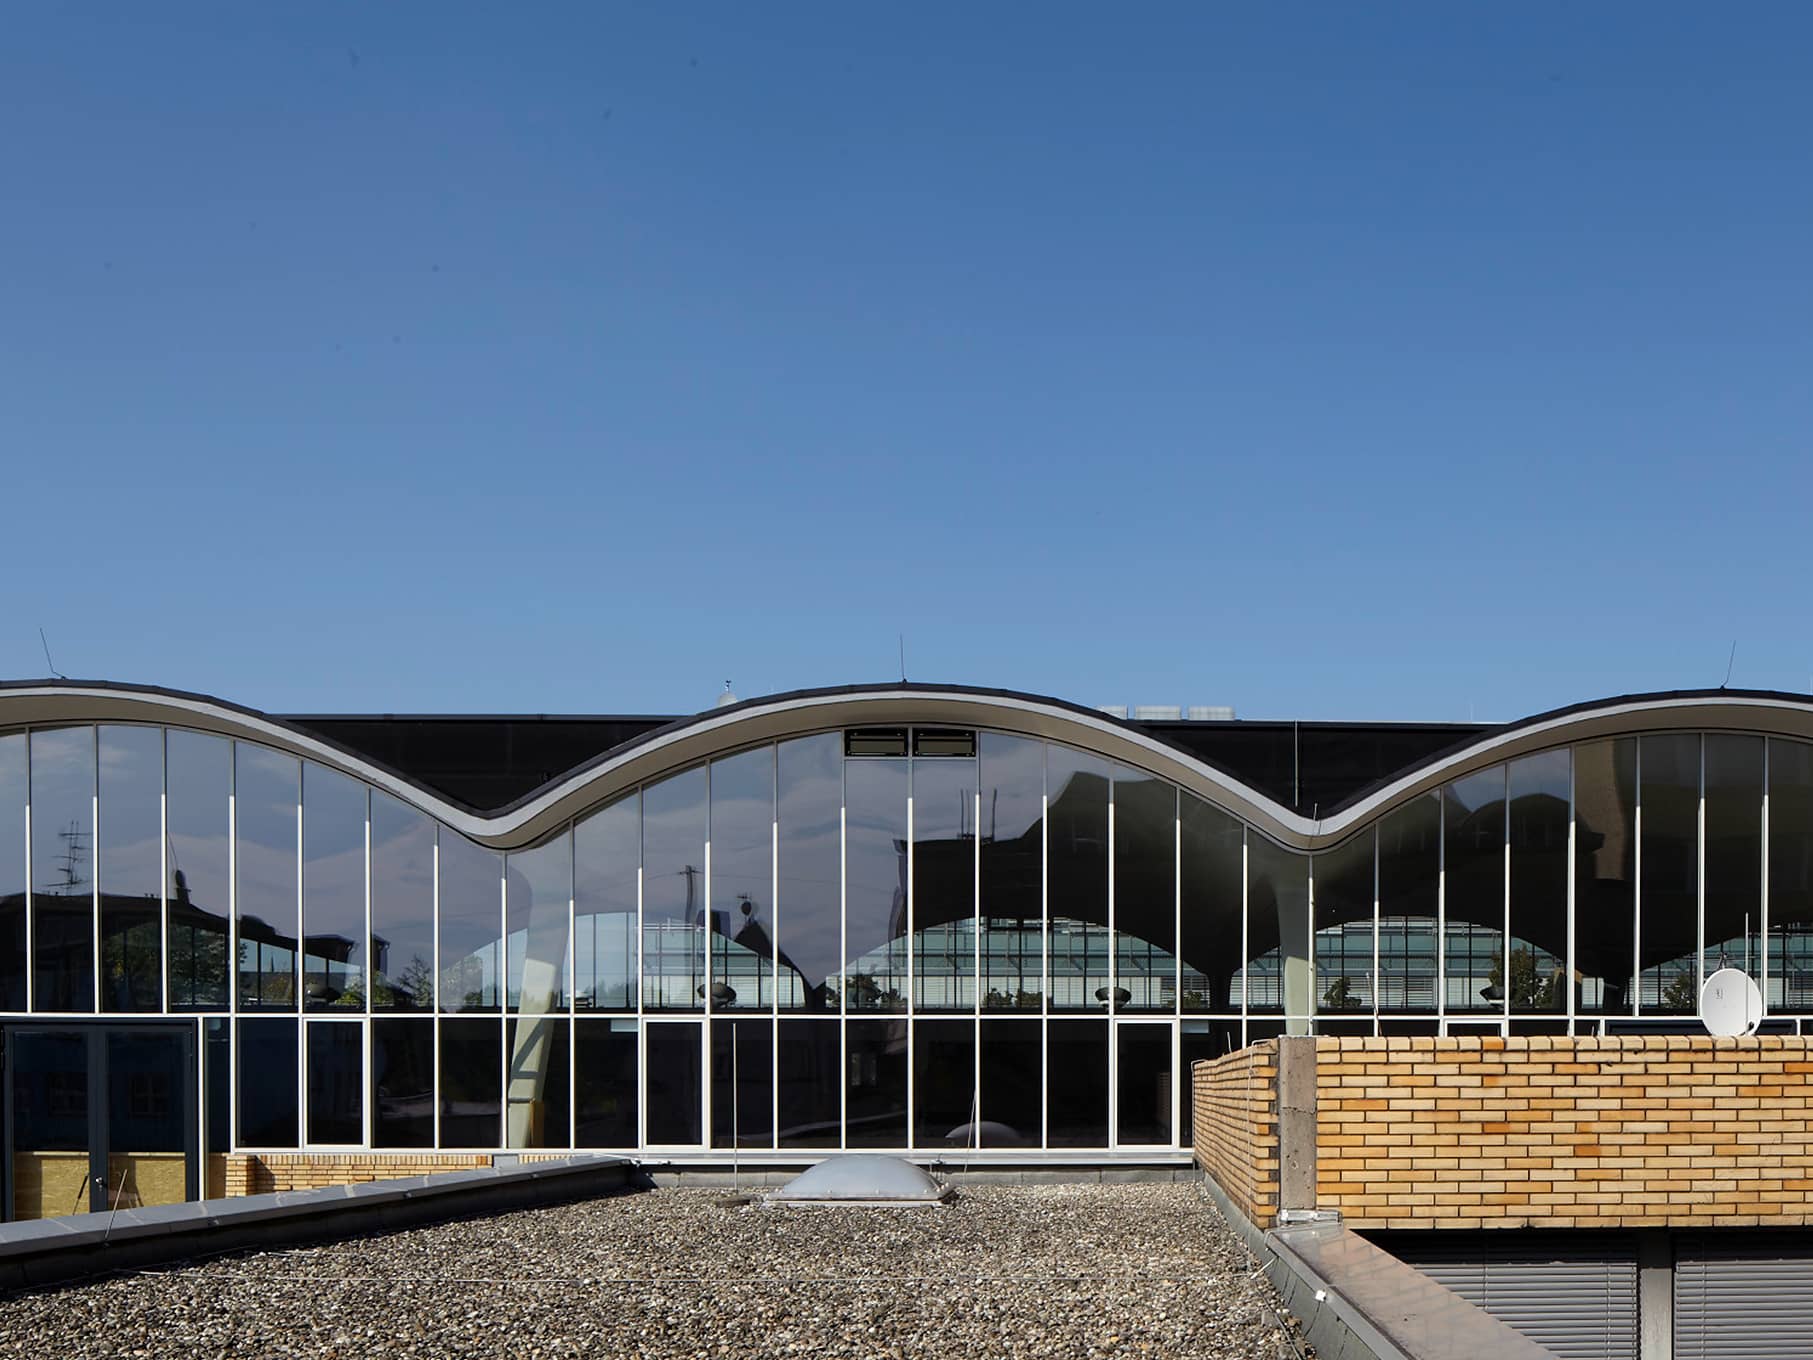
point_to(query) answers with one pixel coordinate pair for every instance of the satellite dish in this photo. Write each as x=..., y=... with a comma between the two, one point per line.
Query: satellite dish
x=1730, y=1003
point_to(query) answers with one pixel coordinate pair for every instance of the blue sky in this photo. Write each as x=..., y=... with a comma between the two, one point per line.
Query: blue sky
x=1330, y=361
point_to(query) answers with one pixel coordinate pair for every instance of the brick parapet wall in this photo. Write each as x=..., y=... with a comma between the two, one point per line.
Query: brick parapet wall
x=1234, y=1114
x=1643, y=1131
x=242, y=1173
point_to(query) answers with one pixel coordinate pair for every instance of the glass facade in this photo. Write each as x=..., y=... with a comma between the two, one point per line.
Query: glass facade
x=862, y=939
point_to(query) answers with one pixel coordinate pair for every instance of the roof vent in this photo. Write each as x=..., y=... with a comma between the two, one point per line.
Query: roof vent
x=862, y=1178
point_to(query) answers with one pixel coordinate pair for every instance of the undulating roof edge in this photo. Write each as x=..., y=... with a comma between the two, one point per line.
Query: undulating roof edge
x=687, y=740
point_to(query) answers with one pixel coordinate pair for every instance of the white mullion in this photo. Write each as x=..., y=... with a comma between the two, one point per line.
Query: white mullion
x=912, y=942
x=94, y=859
x=163, y=892
x=1377, y=927
x=573, y=986
x=1636, y=923
x=1699, y=860
x=641, y=1022
x=1573, y=870
x=503, y=1003
x=1763, y=904
x=1504, y=939
x=1246, y=970
x=1114, y=943
x=1176, y=965
x=774, y=962
x=435, y=997
x=365, y=1091
x=1315, y=979
x=233, y=938
x=31, y=906
x=1441, y=915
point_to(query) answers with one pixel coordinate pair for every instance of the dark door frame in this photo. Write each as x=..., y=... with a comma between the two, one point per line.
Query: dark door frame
x=96, y=1033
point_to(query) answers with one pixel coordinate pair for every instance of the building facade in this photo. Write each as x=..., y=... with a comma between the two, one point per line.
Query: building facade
x=931, y=920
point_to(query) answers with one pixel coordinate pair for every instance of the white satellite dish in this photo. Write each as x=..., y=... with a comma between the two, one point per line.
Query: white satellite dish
x=1730, y=1003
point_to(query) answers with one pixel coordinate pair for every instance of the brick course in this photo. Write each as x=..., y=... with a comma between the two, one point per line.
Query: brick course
x=258, y=1174
x=1234, y=1113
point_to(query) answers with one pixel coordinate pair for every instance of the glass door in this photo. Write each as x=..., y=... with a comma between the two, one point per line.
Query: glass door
x=49, y=1156
x=99, y=1117
x=150, y=1124
x=1144, y=1083
x=673, y=1068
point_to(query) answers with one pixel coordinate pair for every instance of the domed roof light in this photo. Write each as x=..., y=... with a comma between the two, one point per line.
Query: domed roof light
x=863, y=1178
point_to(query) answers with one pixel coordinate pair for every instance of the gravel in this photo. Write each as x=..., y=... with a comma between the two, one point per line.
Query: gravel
x=1068, y=1270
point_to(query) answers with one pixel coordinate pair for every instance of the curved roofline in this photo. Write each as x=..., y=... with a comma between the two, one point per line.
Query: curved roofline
x=687, y=741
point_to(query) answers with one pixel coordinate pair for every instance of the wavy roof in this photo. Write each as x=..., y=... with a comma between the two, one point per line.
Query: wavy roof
x=686, y=741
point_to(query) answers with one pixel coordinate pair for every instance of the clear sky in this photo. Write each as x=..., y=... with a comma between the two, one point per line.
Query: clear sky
x=1329, y=361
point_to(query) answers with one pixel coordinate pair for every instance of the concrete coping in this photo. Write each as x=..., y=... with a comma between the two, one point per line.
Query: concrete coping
x=196, y=1219
x=1390, y=1307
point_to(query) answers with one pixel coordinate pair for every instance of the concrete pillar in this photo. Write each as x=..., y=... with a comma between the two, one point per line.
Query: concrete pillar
x=1296, y=1124
x=1656, y=1294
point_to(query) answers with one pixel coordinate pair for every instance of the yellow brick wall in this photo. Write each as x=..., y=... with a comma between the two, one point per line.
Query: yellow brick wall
x=1564, y=1132
x=258, y=1174
x=1234, y=1114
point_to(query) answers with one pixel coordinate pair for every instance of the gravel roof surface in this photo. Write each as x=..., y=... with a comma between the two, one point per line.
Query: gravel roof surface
x=1070, y=1270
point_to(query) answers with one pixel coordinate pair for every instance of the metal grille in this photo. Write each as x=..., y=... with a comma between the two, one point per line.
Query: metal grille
x=1574, y=1294
x=1745, y=1298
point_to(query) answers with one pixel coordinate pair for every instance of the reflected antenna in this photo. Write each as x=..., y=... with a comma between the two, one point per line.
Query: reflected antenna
x=47, y=661
x=902, y=658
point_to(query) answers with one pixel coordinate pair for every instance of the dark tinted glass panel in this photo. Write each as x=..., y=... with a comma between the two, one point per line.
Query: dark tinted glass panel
x=132, y=868
x=1199, y=1041
x=944, y=884
x=1076, y=1084
x=540, y=1076
x=875, y=897
x=1143, y=1077
x=1012, y=1100
x=1539, y=881
x=471, y=887
x=1734, y=853
x=1790, y=875
x=605, y=1084
x=673, y=894
x=875, y=1055
x=1669, y=888
x=1343, y=892
x=402, y=907
x=742, y=881
x=49, y=1100
x=12, y=873
x=336, y=1082
x=402, y=1083
x=538, y=893
x=268, y=1094
x=1013, y=868
x=671, y=1066
x=875, y=741
x=944, y=1083
x=742, y=1083
x=150, y=1110
x=333, y=890
x=62, y=869
x=1278, y=972
x=1605, y=873
x=1473, y=841
x=810, y=1063
x=1409, y=898
x=607, y=860
x=471, y=1073
x=809, y=914
x=1145, y=894
x=198, y=780
x=1076, y=885
x=217, y=1091
x=266, y=789
x=1210, y=851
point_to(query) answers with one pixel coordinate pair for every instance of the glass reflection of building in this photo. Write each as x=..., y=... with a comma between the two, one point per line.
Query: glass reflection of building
x=912, y=937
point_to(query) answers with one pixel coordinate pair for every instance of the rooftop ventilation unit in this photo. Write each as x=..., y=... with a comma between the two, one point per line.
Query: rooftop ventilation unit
x=1211, y=713
x=1157, y=713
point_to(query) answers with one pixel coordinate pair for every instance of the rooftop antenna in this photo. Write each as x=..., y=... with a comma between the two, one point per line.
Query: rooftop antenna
x=902, y=658
x=1730, y=662
x=45, y=642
